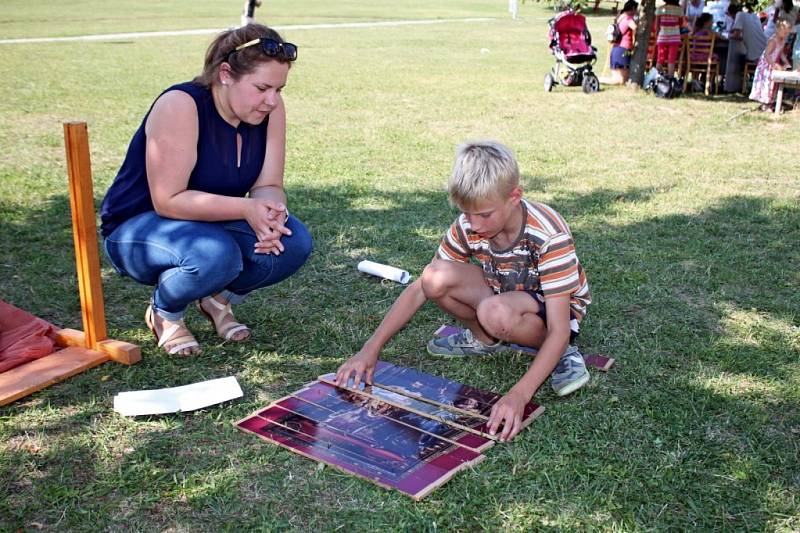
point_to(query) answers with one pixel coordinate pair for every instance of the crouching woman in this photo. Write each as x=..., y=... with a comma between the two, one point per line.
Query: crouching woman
x=198, y=208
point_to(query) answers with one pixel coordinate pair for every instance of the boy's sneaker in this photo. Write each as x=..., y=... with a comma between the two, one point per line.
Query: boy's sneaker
x=570, y=374
x=460, y=345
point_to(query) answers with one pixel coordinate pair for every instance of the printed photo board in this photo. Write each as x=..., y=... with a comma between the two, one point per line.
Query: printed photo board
x=412, y=435
x=392, y=456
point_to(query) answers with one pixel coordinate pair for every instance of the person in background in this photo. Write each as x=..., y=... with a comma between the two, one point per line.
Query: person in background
x=747, y=43
x=783, y=10
x=668, y=24
x=692, y=9
x=771, y=60
x=796, y=49
x=249, y=11
x=718, y=9
x=730, y=17
x=699, y=49
x=621, y=51
x=702, y=27
x=702, y=24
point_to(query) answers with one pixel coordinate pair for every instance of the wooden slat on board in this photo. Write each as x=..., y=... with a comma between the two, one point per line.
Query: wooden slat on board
x=407, y=405
x=387, y=412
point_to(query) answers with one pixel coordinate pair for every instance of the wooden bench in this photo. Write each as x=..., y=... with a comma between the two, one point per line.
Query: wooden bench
x=781, y=78
x=611, y=4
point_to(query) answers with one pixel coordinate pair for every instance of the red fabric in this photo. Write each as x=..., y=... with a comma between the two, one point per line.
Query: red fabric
x=668, y=53
x=23, y=337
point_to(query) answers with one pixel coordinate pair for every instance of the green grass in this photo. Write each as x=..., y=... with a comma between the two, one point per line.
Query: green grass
x=685, y=213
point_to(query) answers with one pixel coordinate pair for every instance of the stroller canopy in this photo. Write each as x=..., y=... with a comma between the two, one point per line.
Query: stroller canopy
x=571, y=36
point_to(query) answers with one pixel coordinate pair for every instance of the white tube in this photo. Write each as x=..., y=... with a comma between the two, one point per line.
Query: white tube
x=384, y=271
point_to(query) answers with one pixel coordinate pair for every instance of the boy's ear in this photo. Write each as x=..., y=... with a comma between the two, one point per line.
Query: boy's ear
x=516, y=194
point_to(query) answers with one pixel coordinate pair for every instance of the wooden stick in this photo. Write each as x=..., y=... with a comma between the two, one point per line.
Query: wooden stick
x=448, y=406
x=84, y=229
x=366, y=392
x=452, y=440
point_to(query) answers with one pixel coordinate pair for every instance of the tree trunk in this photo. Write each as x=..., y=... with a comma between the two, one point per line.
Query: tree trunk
x=639, y=59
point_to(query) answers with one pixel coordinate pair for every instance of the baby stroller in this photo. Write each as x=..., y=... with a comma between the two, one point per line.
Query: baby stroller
x=571, y=44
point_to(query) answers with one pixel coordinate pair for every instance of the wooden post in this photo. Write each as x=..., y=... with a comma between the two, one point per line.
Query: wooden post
x=87, y=258
x=84, y=229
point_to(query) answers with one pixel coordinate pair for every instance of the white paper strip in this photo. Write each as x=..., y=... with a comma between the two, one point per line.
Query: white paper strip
x=384, y=271
x=172, y=400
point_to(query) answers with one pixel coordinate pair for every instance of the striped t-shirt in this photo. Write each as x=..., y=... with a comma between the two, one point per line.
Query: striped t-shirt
x=542, y=259
x=669, y=24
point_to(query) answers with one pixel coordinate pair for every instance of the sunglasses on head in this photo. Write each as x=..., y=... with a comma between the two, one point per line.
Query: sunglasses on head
x=272, y=48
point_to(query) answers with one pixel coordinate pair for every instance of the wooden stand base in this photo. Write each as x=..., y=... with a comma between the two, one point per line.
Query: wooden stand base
x=73, y=359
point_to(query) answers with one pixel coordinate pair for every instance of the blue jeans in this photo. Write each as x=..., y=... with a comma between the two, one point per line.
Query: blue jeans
x=188, y=260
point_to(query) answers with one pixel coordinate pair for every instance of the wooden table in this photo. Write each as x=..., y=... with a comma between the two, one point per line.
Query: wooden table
x=781, y=78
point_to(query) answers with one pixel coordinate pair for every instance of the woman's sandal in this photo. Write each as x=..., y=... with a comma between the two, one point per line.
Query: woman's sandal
x=176, y=339
x=221, y=316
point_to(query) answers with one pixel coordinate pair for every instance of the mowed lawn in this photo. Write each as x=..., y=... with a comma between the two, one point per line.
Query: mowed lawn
x=686, y=215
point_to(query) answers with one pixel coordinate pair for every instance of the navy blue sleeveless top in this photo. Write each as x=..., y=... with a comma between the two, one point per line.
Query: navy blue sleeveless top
x=215, y=171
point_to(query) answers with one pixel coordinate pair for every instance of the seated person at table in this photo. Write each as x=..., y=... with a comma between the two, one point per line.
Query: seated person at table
x=747, y=43
x=771, y=60
x=702, y=27
x=507, y=269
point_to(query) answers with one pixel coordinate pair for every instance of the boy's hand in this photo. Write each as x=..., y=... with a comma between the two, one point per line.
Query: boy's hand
x=361, y=365
x=508, y=412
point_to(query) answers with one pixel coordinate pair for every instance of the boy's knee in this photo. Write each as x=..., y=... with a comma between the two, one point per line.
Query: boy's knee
x=495, y=316
x=436, y=279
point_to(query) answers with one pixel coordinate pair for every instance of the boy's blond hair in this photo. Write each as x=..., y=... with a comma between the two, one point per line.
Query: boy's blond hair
x=483, y=170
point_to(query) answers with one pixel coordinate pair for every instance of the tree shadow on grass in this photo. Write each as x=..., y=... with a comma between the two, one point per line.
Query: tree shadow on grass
x=693, y=428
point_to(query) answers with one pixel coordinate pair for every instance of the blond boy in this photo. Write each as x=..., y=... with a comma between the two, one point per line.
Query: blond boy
x=506, y=269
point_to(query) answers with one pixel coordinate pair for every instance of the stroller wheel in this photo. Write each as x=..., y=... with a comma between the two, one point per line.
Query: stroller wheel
x=549, y=81
x=590, y=83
